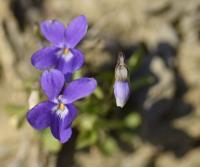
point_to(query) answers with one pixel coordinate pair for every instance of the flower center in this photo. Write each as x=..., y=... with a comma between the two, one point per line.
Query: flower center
x=66, y=51
x=61, y=106
x=61, y=110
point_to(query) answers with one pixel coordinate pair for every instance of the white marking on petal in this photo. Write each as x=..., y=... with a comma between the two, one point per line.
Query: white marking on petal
x=67, y=56
x=60, y=52
x=61, y=113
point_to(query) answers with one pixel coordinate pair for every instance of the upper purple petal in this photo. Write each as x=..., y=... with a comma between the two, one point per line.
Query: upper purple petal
x=39, y=116
x=78, y=89
x=122, y=92
x=52, y=82
x=58, y=128
x=70, y=62
x=75, y=31
x=44, y=58
x=53, y=31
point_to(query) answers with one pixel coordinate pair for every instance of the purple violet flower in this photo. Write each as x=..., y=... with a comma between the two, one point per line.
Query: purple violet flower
x=62, y=54
x=58, y=112
x=121, y=85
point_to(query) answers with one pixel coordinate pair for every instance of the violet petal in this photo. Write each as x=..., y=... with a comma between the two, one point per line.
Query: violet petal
x=53, y=31
x=69, y=118
x=39, y=116
x=75, y=31
x=58, y=128
x=44, y=58
x=122, y=92
x=70, y=62
x=52, y=82
x=78, y=89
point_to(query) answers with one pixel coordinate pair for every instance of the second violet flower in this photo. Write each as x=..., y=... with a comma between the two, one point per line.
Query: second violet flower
x=58, y=112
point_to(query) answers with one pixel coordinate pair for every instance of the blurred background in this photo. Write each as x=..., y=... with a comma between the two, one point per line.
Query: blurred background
x=159, y=126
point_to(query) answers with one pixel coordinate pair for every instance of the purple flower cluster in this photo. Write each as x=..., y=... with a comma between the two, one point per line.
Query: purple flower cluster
x=59, y=61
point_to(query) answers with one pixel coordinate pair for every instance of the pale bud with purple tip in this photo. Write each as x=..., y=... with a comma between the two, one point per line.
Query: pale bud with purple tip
x=121, y=85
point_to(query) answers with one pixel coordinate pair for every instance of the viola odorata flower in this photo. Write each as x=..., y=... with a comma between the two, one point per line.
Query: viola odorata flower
x=58, y=112
x=61, y=54
x=121, y=85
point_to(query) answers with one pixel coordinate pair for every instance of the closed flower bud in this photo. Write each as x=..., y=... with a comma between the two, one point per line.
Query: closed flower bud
x=121, y=85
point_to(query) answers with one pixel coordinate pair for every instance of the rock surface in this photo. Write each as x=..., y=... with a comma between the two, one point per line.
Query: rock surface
x=170, y=108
